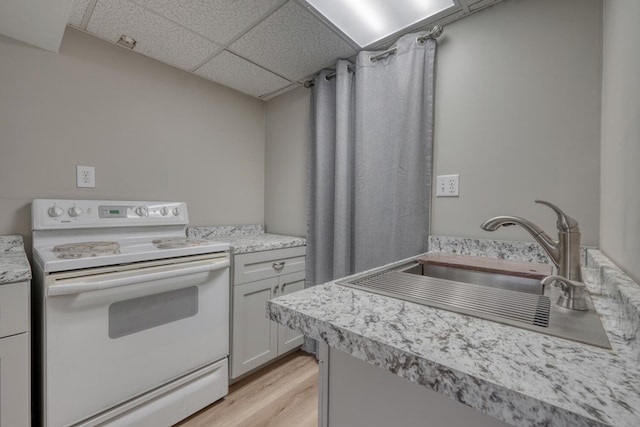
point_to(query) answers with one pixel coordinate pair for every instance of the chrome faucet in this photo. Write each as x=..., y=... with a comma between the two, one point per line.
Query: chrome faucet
x=564, y=252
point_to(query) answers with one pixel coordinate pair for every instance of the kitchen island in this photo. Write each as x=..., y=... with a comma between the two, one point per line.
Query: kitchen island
x=514, y=376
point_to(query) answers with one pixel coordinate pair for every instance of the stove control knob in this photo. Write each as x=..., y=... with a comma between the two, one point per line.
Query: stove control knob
x=54, y=211
x=176, y=211
x=164, y=211
x=141, y=211
x=75, y=211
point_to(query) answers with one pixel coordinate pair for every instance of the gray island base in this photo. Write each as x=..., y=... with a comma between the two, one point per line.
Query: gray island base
x=358, y=394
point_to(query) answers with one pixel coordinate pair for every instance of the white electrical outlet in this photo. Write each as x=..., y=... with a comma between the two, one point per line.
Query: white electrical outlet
x=448, y=186
x=86, y=176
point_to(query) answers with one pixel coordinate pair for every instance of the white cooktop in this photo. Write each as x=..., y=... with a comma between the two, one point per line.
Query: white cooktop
x=129, y=252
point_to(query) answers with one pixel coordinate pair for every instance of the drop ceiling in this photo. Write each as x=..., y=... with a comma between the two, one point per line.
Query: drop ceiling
x=261, y=48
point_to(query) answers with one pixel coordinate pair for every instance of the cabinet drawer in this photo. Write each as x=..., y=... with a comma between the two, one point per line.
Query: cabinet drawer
x=265, y=264
x=14, y=308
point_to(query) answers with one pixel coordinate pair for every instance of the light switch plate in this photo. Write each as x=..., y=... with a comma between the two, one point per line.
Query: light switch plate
x=86, y=176
x=448, y=186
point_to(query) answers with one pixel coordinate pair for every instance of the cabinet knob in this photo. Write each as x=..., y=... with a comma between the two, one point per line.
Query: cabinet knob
x=275, y=290
x=278, y=265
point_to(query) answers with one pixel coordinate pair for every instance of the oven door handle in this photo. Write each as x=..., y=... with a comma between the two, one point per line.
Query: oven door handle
x=76, y=286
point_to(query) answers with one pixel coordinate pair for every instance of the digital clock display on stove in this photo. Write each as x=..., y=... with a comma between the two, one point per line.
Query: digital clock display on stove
x=112, y=211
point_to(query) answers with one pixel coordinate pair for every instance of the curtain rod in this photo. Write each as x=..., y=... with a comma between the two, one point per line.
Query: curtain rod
x=433, y=33
x=309, y=83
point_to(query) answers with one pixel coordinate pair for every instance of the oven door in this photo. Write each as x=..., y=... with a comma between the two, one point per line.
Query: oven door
x=113, y=336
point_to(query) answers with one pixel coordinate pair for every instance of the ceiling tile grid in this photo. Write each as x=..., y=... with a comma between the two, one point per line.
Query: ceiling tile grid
x=78, y=10
x=450, y=18
x=259, y=47
x=482, y=4
x=232, y=71
x=292, y=43
x=219, y=20
x=156, y=36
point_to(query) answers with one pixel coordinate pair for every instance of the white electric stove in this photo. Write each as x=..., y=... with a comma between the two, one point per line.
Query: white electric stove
x=130, y=316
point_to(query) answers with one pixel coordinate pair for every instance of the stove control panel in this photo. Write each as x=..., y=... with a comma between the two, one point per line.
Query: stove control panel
x=55, y=214
x=130, y=211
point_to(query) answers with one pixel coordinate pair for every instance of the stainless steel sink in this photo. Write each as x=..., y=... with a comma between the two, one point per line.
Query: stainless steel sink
x=514, y=301
x=513, y=283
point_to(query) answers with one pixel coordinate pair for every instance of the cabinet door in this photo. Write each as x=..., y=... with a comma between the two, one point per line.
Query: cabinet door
x=255, y=337
x=14, y=308
x=288, y=339
x=15, y=399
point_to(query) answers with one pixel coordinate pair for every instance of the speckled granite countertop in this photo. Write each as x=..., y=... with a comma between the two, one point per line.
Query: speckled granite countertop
x=521, y=377
x=246, y=238
x=14, y=266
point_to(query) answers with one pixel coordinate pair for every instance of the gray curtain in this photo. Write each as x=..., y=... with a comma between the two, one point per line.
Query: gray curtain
x=370, y=161
x=331, y=171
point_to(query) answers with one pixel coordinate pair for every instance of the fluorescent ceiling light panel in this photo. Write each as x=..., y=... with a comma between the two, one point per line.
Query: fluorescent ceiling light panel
x=367, y=21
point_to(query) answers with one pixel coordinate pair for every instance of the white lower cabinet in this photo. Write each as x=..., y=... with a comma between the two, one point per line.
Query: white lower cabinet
x=256, y=340
x=15, y=398
x=288, y=339
x=14, y=381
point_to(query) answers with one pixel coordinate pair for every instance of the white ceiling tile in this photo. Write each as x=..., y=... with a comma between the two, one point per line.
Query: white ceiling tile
x=78, y=9
x=219, y=20
x=293, y=43
x=156, y=36
x=231, y=70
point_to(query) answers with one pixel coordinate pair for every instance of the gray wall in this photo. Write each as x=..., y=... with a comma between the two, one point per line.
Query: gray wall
x=620, y=170
x=518, y=116
x=287, y=135
x=153, y=133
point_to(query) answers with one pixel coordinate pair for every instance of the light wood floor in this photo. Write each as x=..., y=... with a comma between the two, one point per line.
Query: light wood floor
x=283, y=394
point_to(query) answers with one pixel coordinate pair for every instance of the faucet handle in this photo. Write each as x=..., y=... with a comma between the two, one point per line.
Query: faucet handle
x=565, y=222
x=573, y=293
